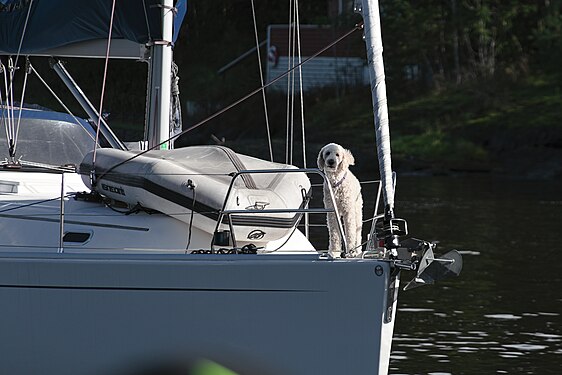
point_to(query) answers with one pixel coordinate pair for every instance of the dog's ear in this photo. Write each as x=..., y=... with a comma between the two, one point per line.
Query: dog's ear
x=348, y=157
x=320, y=160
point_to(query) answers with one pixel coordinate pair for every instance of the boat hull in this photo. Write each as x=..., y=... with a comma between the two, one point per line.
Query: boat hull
x=88, y=314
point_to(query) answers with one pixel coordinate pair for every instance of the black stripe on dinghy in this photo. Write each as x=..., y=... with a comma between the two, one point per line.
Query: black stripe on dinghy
x=141, y=182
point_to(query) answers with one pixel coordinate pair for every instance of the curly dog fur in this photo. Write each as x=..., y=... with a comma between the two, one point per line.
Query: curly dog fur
x=334, y=161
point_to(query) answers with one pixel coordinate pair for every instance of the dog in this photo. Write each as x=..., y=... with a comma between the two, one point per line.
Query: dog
x=334, y=161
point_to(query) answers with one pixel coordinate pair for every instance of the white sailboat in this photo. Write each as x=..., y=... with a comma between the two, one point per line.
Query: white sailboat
x=112, y=259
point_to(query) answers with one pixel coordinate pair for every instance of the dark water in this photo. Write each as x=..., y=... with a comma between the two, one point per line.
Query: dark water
x=503, y=314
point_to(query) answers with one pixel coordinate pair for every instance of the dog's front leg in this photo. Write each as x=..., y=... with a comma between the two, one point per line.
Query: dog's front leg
x=350, y=223
x=334, y=248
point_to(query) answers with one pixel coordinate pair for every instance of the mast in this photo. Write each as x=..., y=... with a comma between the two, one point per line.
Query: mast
x=373, y=40
x=369, y=9
x=158, y=119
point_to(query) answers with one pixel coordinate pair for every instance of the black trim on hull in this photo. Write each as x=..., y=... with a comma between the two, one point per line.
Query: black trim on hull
x=143, y=289
x=111, y=226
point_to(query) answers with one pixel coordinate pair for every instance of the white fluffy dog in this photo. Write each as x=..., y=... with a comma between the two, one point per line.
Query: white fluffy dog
x=334, y=161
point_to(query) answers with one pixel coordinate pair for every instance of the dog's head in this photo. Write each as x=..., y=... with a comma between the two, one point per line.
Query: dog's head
x=334, y=158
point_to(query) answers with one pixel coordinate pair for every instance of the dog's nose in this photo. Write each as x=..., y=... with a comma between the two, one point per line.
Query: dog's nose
x=331, y=162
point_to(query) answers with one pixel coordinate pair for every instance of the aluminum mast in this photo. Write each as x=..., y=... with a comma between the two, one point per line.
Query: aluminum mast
x=158, y=119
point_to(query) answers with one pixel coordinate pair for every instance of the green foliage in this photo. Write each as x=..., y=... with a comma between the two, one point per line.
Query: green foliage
x=438, y=148
x=206, y=367
x=464, y=40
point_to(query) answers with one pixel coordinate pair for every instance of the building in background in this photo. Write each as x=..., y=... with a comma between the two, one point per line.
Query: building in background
x=342, y=65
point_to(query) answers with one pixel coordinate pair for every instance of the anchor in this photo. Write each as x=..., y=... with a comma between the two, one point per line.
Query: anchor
x=429, y=268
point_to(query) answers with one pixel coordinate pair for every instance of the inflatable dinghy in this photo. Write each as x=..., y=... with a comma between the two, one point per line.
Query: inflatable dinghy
x=197, y=179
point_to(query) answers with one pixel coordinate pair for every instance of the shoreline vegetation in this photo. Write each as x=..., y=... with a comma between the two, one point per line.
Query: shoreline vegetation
x=509, y=128
x=505, y=128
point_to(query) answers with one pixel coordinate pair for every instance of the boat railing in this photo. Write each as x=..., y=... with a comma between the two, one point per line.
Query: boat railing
x=371, y=243
x=224, y=212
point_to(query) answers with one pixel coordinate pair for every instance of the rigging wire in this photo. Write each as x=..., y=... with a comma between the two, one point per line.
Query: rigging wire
x=60, y=100
x=292, y=129
x=22, y=36
x=108, y=205
x=301, y=88
x=306, y=215
x=12, y=69
x=262, y=82
x=358, y=26
x=27, y=72
x=289, y=29
x=5, y=119
x=6, y=109
x=11, y=141
x=146, y=20
x=103, y=83
x=296, y=27
x=294, y=50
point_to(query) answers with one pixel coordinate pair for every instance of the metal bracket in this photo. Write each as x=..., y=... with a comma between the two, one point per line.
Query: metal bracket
x=392, y=294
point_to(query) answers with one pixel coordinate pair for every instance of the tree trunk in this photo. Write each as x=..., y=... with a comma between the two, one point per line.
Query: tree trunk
x=456, y=58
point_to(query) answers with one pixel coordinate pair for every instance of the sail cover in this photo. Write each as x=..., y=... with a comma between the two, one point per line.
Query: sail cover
x=57, y=23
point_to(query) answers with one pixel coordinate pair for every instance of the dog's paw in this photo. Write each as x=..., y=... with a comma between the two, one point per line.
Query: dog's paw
x=334, y=254
x=354, y=254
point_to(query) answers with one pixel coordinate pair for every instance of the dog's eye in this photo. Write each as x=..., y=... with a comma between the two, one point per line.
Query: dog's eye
x=327, y=153
x=337, y=154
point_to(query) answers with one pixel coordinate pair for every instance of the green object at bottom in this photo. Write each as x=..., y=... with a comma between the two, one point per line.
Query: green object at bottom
x=206, y=367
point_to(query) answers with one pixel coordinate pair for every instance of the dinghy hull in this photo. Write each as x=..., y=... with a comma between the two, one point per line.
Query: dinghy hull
x=200, y=181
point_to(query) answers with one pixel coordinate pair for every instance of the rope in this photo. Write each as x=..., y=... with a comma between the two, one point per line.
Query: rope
x=175, y=117
x=261, y=81
x=31, y=204
x=358, y=26
x=191, y=218
x=103, y=82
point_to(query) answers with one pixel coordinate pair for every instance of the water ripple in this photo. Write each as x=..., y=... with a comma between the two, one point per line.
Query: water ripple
x=503, y=316
x=526, y=347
